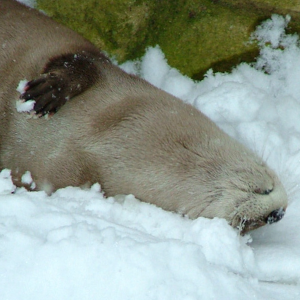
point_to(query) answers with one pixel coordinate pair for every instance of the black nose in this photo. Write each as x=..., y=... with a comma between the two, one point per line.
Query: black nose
x=275, y=216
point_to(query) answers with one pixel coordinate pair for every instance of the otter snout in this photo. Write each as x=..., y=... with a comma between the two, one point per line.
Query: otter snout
x=275, y=216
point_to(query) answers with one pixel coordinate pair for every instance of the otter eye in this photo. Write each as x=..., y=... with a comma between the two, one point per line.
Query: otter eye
x=263, y=192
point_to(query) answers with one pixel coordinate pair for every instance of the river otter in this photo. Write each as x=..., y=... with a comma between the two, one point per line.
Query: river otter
x=119, y=130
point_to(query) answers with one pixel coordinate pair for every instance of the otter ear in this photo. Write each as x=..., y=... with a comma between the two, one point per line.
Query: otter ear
x=63, y=78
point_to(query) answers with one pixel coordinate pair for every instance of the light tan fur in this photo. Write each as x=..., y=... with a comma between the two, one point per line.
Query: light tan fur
x=124, y=133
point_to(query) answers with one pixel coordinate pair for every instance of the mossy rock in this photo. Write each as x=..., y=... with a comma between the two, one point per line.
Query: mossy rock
x=195, y=35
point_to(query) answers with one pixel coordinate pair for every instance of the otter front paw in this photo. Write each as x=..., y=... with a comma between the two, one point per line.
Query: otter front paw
x=49, y=92
x=63, y=77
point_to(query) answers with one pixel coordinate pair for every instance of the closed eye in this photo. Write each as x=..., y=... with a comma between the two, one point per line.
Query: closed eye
x=263, y=192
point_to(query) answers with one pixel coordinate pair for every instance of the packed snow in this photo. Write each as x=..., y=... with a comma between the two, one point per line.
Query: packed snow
x=77, y=244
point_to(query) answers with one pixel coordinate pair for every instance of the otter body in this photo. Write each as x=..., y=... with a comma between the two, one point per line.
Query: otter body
x=119, y=130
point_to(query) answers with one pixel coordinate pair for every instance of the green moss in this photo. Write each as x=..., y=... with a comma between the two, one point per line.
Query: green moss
x=199, y=37
x=195, y=35
x=116, y=26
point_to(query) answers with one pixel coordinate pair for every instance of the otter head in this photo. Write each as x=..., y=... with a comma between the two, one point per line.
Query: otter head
x=261, y=199
x=231, y=182
x=226, y=180
x=170, y=154
x=178, y=159
x=246, y=192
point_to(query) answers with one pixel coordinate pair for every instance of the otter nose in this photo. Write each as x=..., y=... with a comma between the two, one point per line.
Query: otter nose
x=275, y=216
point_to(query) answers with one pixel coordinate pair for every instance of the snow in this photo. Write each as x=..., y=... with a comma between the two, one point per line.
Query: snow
x=27, y=180
x=30, y=3
x=21, y=87
x=77, y=244
x=21, y=105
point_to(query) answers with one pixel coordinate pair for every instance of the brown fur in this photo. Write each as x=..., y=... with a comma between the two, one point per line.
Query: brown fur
x=122, y=132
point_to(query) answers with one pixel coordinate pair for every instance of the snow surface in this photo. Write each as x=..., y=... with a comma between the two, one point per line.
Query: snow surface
x=30, y=3
x=76, y=244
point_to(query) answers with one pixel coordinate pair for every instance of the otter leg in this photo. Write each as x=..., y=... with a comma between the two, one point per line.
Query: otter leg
x=63, y=77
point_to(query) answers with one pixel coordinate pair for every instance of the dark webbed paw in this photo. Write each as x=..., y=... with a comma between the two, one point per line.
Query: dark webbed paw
x=63, y=78
x=48, y=91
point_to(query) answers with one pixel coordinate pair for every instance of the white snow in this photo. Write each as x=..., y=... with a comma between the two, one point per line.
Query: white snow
x=21, y=105
x=30, y=3
x=21, y=86
x=27, y=180
x=76, y=244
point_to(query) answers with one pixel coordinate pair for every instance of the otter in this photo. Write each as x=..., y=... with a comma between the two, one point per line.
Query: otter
x=117, y=129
